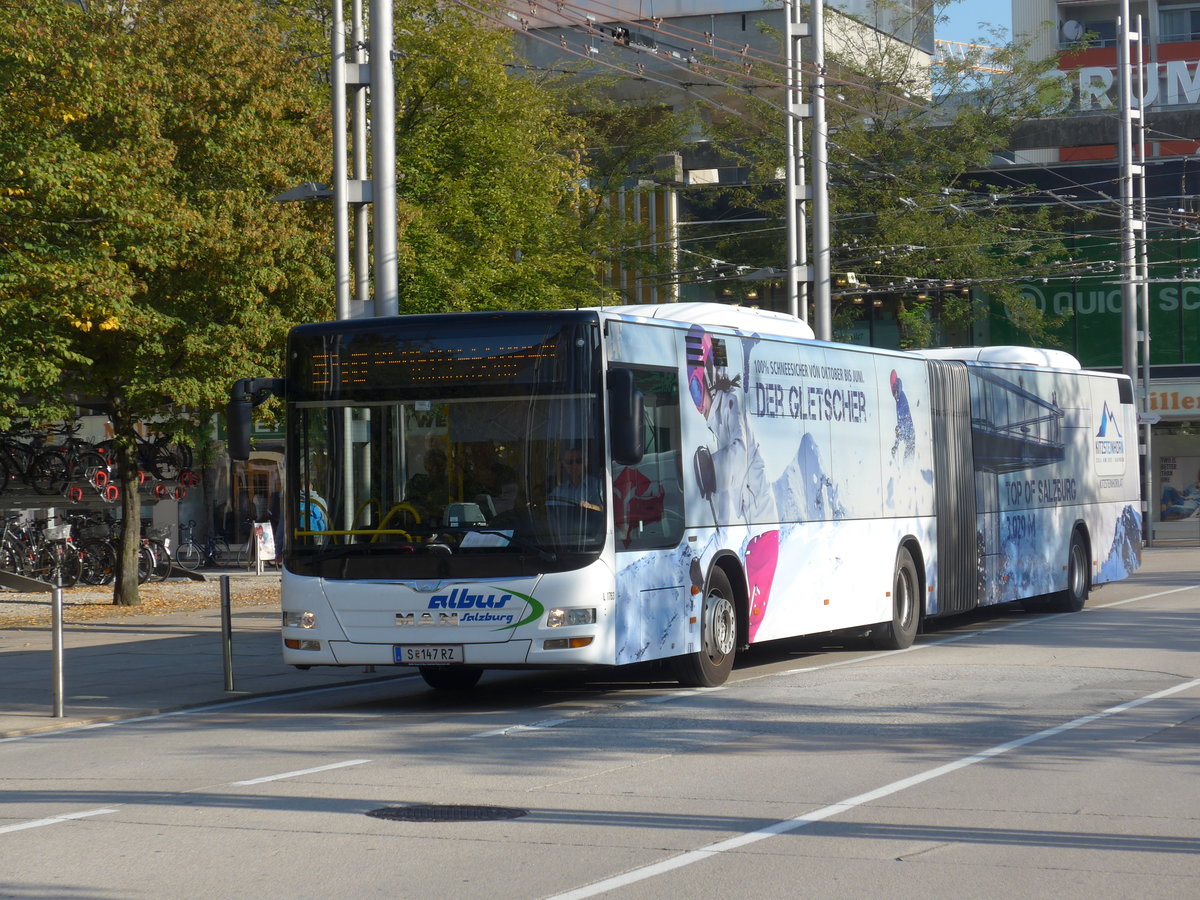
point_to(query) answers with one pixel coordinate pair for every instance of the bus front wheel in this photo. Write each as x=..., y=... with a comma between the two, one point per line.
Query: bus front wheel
x=898, y=634
x=711, y=664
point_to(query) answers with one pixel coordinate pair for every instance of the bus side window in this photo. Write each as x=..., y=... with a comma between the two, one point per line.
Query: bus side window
x=648, y=497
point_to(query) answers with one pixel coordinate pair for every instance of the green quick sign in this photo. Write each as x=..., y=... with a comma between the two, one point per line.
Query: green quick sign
x=1092, y=302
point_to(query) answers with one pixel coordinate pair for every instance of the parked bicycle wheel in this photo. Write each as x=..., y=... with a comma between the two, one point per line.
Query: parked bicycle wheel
x=189, y=556
x=60, y=563
x=146, y=563
x=87, y=464
x=99, y=563
x=49, y=473
x=162, y=560
x=165, y=464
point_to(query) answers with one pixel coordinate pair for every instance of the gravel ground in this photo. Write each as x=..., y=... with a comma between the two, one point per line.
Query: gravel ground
x=81, y=604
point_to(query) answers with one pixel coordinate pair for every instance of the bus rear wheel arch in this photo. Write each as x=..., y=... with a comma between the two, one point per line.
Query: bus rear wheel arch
x=711, y=664
x=901, y=630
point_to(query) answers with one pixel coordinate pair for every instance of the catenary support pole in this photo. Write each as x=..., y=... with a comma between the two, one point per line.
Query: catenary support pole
x=797, y=189
x=383, y=137
x=341, y=218
x=822, y=280
x=362, y=239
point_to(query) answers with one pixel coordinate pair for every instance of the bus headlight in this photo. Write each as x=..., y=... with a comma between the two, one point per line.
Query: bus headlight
x=304, y=619
x=559, y=616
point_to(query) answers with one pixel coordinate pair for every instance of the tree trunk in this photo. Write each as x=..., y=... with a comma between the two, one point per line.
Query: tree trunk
x=125, y=588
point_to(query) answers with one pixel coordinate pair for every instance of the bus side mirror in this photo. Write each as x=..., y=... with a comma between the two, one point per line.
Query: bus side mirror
x=237, y=427
x=245, y=395
x=626, y=418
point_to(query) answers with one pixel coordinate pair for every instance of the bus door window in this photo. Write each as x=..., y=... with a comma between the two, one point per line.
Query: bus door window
x=648, y=497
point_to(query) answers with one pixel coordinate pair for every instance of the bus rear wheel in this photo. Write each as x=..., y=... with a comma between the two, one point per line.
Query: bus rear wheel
x=1079, y=579
x=451, y=678
x=899, y=633
x=711, y=664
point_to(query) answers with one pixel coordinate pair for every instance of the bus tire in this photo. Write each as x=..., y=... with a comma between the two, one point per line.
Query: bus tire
x=898, y=634
x=451, y=678
x=711, y=664
x=1079, y=579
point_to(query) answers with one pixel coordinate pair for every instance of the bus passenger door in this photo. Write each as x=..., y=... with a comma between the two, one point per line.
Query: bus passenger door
x=648, y=497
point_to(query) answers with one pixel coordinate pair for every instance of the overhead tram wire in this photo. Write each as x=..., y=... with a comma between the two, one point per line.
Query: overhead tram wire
x=605, y=63
x=686, y=87
x=593, y=27
x=657, y=25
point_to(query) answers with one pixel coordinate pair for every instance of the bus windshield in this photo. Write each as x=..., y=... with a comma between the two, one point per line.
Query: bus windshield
x=441, y=452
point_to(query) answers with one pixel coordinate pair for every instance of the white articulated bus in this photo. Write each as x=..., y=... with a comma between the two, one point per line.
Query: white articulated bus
x=599, y=487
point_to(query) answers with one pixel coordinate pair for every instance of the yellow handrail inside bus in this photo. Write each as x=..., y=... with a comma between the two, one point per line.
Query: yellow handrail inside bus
x=366, y=504
x=399, y=507
x=375, y=532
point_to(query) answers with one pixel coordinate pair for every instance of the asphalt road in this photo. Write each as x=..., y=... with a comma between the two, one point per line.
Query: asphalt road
x=1005, y=755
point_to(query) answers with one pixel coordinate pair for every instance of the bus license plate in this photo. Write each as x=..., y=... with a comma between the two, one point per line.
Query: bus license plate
x=430, y=654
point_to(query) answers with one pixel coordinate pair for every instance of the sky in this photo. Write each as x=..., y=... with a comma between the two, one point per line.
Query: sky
x=965, y=16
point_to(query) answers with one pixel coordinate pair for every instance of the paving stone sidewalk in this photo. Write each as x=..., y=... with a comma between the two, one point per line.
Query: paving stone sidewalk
x=167, y=655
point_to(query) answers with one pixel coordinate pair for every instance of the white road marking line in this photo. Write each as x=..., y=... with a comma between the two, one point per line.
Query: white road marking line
x=953, y=639
x=787, y=825
x=54, y=820
x=299, y=772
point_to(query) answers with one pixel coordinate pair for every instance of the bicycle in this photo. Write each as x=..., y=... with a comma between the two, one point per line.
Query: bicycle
x=59, y=560
x=158, y=546
x=18, y=450
x=216, y=552
x=159, y=456
x=188, y=554
x=53, y=469
x=95, y=536
x=17, y=553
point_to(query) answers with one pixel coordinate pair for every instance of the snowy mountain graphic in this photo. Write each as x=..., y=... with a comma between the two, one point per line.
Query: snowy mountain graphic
x=1108, y=421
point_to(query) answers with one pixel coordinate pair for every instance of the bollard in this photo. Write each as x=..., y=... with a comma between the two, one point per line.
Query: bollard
x=227, y=632
x=56, y=646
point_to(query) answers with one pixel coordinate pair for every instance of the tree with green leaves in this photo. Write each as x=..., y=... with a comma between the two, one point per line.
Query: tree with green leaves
x=491, y=173
x=143, y=266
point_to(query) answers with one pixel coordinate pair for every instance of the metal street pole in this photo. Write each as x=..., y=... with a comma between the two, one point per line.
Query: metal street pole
x=362, y=246
x=1144, y=295
x=797, y=190
x=823, y=314
x=1128, y=223
x=383, y=136
x=341, y=219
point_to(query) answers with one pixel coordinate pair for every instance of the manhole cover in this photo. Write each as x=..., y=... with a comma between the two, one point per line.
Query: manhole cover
x=446, y=813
